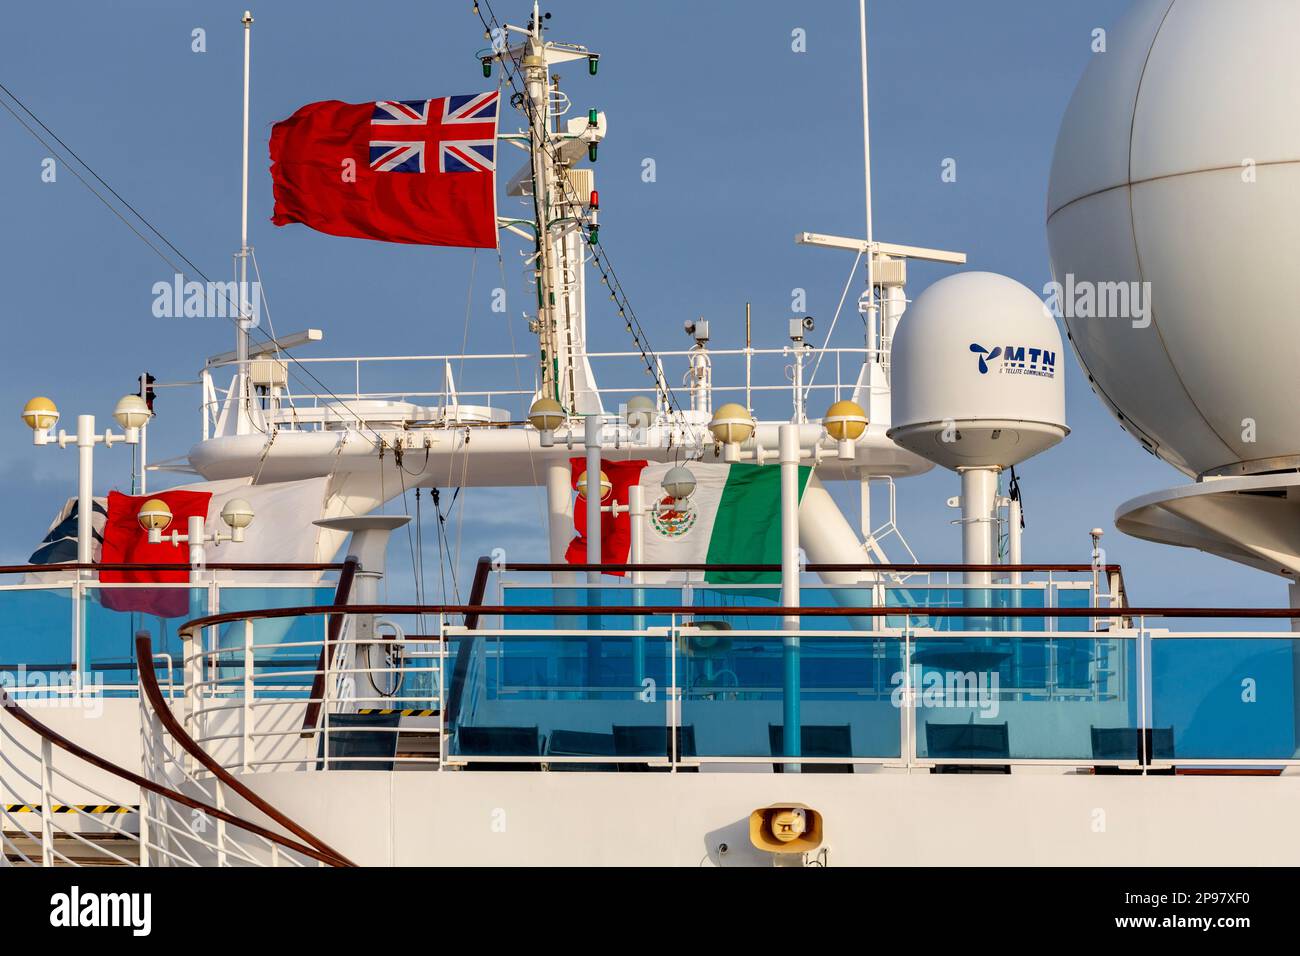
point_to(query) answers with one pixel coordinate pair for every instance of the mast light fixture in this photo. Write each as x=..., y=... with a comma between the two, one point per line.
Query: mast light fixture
x=546, y=415
x=845, y=421
x=606, y=486
x=732, y=426
x=679, y=483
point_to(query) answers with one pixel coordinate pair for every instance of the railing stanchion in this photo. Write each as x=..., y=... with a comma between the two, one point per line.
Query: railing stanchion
x=78, y=634
x=219, y=798
x=47, y=810
x=442, y=691
x=190, y=675
x=792, y=683
x=1144, y=709
x=247, y=757
x=327, y=697
x=142, y=825
x=908, y=717
x=674, y=693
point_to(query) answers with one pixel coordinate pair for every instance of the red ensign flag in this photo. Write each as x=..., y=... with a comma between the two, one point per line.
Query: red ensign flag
x=615, y=531
x=125, y=542
x=418, y=171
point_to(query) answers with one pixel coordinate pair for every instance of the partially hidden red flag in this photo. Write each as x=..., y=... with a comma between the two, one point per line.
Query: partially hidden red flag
x=615, y=531
x=417, y=171
x=125, y=542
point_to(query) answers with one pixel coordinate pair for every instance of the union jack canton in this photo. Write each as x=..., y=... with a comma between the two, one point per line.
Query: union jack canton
x=461, y=129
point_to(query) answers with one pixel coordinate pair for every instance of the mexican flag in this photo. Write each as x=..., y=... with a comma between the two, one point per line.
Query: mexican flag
x=734, y=517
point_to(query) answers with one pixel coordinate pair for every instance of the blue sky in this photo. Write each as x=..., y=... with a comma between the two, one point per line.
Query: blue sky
x=752, y=142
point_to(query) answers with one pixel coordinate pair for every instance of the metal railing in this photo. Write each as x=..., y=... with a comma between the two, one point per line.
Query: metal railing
x=68, y=636
x=169, y=824
x=733, y=374
x=160, y=719
x=1047, y=672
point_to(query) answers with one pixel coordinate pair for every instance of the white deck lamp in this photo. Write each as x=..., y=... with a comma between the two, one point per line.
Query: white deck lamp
x=155, y=516
x=678, y=483
x=41, y=415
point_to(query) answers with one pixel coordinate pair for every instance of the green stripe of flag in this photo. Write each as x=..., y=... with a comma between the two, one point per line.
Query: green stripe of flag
x=747, y=529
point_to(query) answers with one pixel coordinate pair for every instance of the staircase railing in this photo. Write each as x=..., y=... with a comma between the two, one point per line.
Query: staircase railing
x=311, y=718
x=152, y=692
x=132, y=849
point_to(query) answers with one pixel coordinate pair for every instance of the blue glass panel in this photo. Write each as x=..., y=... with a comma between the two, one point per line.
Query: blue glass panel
x=1039, y=698
x=36, y=646
x=952, y=597
x=1226, y=699
x=733, y=694
x=113, y=615
x=277, y=667
x=1073, y=597
x=548, y=596
x=571, y=685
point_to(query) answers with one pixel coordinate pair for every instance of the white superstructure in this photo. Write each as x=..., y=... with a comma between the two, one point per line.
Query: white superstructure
x=832, y=701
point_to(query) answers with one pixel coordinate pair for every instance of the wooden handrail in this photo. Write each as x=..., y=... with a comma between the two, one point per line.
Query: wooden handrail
x=9, y=705
x=341, y=594
x=526, y=566
x=1073, y=568
x=149, y=682
x=716, y=611
x=172, y=566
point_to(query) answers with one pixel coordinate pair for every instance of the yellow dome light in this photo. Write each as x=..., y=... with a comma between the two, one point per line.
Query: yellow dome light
x=732, y=425
x=154, y=515
x=40, y=414
x=546, y=415
x=845, y=422
x=605, y=486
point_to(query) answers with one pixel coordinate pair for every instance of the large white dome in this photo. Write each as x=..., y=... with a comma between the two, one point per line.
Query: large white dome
x=977, y=374
x=1178, y=164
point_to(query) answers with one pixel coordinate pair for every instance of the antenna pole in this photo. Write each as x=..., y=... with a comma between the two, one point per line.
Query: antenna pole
x=241, y=335
x=534, y=68
x=866, y=162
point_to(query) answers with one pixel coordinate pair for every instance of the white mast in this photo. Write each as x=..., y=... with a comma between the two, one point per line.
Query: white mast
x=241, y=333
x=535, y=77
x=561, y=194
x=866, y=164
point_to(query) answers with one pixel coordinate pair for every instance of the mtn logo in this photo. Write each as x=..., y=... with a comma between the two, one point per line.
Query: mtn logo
x=1015, y=360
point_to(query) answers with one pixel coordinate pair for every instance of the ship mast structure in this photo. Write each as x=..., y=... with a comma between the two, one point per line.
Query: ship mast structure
x=564, y=200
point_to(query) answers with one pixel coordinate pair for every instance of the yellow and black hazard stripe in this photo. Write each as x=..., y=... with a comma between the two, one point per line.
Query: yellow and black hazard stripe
x=408, y=712
x=70, y=808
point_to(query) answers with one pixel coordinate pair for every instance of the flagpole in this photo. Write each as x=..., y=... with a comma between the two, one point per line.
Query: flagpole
x=241, y=337
x=866, y=163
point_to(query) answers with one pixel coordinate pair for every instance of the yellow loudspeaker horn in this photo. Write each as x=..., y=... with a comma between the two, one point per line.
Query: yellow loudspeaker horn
x=786, y=828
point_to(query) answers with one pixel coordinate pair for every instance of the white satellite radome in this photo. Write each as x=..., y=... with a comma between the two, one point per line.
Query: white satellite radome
x=1178, y=165
x=977, y=373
